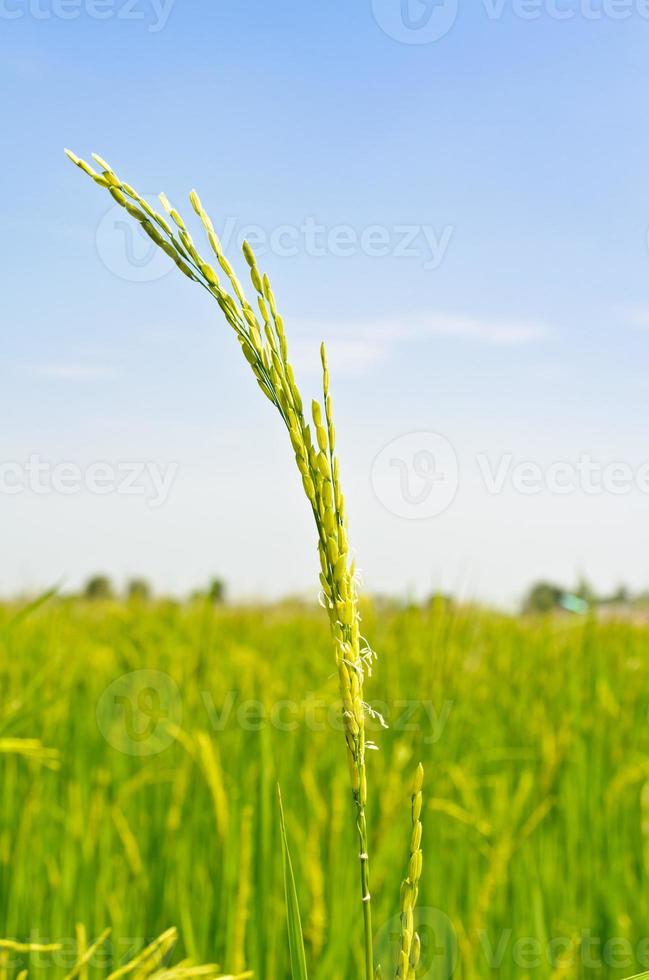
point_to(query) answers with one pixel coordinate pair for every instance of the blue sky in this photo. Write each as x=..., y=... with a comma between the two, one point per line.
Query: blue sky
x=477, y=257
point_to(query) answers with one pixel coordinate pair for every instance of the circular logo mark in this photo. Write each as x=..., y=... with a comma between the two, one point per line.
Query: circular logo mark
x=127, y=251
x=439, y=946
x=415, y=21
x=416, y=476
x=137, y=712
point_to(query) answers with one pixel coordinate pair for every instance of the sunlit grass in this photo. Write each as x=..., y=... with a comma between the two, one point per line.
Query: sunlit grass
x=534, y=735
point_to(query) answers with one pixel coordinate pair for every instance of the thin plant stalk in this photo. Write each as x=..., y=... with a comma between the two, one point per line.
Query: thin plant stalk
x=410, y=948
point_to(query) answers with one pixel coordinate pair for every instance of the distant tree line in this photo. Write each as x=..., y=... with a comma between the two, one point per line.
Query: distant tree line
x=100, y=587
x=542, y=597
x=545, y=597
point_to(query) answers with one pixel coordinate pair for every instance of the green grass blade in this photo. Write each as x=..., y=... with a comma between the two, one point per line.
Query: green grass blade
x=295, y=937
x=31, y=607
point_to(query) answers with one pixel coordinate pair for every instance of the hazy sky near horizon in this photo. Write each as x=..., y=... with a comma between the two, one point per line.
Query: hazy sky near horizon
x=455, y=196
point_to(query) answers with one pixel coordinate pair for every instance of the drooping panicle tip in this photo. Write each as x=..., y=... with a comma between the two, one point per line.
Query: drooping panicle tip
x=164, y=201
x=102, y=163
x=195, y=202
x=87, y=169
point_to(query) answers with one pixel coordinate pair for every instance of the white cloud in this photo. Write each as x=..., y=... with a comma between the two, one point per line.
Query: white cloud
x=485, y=330
x=355, y=346
x=352, y=355
x=63, y=371
x=27, y=67
x=637, y=317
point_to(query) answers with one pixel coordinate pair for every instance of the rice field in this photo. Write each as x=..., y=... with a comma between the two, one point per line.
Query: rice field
x=145, y=746
x=141, y=746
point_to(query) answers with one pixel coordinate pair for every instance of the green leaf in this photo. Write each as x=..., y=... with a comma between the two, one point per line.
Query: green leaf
x=31, y=607
x=295, y=938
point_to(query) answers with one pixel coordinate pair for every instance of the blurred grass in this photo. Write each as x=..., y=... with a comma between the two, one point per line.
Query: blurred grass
x=145, y=795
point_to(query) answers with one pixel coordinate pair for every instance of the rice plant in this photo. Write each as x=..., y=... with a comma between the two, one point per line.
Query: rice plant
x=262, y=338
x=148, y=963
